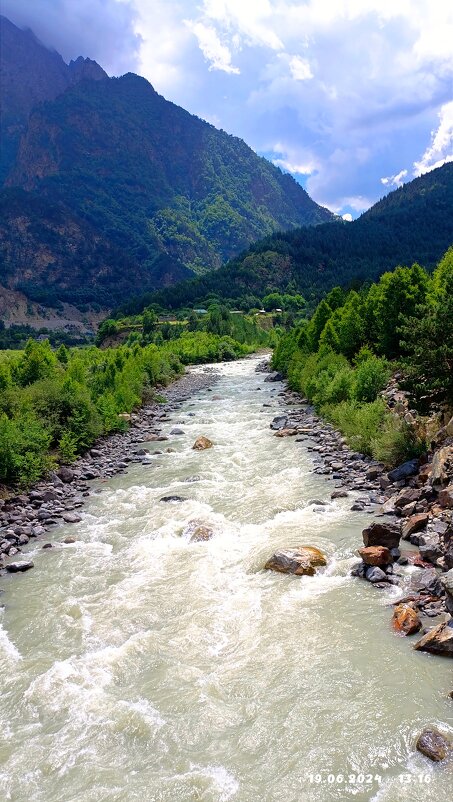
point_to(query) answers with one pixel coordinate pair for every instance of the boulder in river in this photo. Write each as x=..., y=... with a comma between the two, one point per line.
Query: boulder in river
x=438, y=640
x=301, y=560
x=339, y=494
x=173, y=499
x=286, y=433
x=201, y=443
x=16, y=568
x=375, y=574
x=71, y=517
x=427, y=581
x=406, y=620
x=279, y=422
x=375, y=555
x=274, y=377
x=433, y=744
x=382, y=534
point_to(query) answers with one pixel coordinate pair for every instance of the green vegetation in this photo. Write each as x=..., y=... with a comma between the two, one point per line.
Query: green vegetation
x=341, y=359
x=54, y=404
x=412, y=223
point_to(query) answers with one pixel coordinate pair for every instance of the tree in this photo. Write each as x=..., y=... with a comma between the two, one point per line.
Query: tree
x=149, y=321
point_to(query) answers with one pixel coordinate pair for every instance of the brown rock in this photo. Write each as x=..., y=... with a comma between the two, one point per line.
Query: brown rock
x=406, y=620
x=375, y=555
x=382, y=534
x=433, y=744
x=407, y=496
x=300, y=561
x=69, y=540
x=286, y=433
x=414, y=524
x=202, y=443
x=446, y=497
x=438, y=640
x=201, y=533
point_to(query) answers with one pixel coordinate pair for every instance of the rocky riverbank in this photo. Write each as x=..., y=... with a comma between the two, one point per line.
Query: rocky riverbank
x=58, y=499
x=410, y=542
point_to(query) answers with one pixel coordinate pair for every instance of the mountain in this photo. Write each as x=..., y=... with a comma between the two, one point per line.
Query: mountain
x=29, y=74
x=154, y=188
x=412, y=224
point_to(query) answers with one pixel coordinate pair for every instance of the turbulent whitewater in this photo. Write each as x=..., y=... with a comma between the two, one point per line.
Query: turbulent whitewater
x=137, y=665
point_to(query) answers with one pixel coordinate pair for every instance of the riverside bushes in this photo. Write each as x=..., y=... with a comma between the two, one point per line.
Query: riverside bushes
x=53, y=405
x=341, y=359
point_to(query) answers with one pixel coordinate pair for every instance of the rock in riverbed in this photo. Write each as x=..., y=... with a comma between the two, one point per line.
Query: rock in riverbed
x=301, y=561
x=16, y=568
x=201, y=443
x=406, y=620
x=382, y=534
x=375, y=555
x=433, y=744
x=438, y=640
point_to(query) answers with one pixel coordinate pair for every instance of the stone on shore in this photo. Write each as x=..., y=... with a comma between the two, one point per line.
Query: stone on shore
x=202, y=443
x=339, y=494
x=445, y=497
x=438, y=640
x=404, y=471
x=16, y=568
x=446, y=581
x=414, y=524
x=382, y=534
x=427, y=581
x=375, y=555
x=406, y=620
x=286, y=433
x=274, y=377
x=65, y=474
x=301, y=561
x=433, y=744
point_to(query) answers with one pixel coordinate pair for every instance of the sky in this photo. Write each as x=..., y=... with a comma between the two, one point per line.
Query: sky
x=352, y=97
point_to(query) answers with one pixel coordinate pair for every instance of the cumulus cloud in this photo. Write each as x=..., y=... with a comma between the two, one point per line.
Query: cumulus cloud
x=216, y=54
x=395, y=180
x=440, y=150
x=103, y=30
x=300, y=68
x=347, y=217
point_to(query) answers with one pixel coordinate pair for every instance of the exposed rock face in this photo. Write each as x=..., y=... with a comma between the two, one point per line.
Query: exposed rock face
x=442, y=469
x=202, y=443
x=433, y=744
x=382, y=534
x=376, y=555
x=406, y=619
x=300, y=561
x=438, y=640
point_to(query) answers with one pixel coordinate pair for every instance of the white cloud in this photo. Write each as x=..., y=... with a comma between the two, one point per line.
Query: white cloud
x=347, y=217
x=440, y=150
x=217, y=54
x=394, y=180
x=300, y=68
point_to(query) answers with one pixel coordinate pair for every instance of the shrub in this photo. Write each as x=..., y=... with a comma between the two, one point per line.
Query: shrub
x=371, y=376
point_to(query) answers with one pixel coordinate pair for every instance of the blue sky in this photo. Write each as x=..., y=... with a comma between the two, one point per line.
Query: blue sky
x=353, y=97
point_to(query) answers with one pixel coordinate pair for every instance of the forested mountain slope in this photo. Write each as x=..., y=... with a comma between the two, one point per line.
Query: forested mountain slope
x=412, y=224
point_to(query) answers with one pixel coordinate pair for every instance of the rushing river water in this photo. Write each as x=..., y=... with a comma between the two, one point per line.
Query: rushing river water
x=138, y=666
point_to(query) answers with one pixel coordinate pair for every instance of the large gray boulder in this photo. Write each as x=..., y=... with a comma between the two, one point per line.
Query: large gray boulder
x=447, y=584
x=382, y=534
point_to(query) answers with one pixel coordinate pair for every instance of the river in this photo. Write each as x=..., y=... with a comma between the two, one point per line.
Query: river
x=136, y=665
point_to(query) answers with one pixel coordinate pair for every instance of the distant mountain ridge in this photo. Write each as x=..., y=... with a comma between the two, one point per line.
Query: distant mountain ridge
x=155, y=190
x=412, y=224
